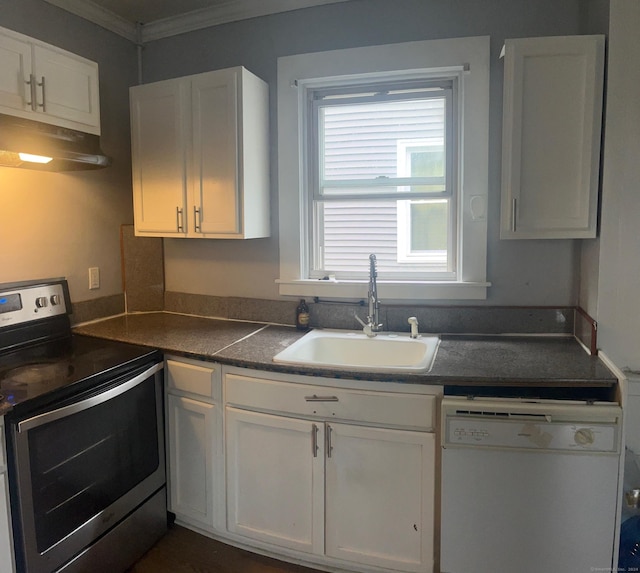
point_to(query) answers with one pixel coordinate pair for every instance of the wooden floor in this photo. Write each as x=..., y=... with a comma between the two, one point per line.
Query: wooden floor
x=183, y=551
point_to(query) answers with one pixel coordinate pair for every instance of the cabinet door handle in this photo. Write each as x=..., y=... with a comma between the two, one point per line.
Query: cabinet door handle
x=514, y=213
x=31, y=82
x=314, y=440
x=315, y=398
x=179, y=222
x=329, y=445
x=197, y=219
x=43, y=105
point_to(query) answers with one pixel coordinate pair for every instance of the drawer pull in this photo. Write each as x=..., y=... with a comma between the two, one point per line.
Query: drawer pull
x=315, y=398
x=314, y=440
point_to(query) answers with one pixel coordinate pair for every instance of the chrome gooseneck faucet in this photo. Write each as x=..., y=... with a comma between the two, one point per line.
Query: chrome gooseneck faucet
x=373, y=325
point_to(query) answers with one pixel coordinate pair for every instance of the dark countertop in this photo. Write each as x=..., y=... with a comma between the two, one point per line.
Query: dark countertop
x=504, y=361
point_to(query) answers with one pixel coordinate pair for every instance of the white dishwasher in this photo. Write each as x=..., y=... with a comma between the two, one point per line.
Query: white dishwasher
x=529, y=486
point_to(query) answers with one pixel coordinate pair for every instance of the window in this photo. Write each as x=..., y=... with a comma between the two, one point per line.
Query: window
x=382, y=166
x=384, y=150
x=426, y=231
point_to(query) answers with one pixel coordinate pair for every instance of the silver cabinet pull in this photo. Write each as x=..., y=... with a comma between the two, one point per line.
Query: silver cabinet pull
x=197, y=219
x=314, y=440
x=329, y=445
x=514, y=212
x=31, y=82
x=43, y=105
x=179, y=222
x=315, y=398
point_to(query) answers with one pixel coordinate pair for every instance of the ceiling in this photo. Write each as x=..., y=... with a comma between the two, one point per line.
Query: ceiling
x=142, y=21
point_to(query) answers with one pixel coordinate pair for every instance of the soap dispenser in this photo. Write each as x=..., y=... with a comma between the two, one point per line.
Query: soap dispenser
x=302, y=316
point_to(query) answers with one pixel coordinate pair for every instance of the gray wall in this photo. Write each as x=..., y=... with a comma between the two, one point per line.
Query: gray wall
x=59, y=224
x=522, y=272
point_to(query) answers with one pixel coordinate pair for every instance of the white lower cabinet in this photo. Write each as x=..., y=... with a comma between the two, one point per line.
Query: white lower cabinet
x=354, y=496
x=380, y=496
x=274, y=482
x=336, y=474
x=195, y=459
x=191, y=434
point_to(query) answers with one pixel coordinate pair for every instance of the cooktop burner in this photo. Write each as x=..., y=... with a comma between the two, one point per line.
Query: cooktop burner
x=34, y=379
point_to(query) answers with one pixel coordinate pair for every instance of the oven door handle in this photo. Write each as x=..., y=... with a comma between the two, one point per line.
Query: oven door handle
x=65, y=411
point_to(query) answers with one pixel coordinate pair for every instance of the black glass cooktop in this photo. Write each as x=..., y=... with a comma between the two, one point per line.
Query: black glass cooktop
x=43, y=372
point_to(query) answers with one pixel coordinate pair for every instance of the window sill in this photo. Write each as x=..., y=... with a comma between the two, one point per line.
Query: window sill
x=388, y=291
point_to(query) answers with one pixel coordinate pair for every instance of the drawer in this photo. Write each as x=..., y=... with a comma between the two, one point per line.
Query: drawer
x=201, y=379
x=380, y=408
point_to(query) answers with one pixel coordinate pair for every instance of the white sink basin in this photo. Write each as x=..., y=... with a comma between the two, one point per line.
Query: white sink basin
x=354, y=351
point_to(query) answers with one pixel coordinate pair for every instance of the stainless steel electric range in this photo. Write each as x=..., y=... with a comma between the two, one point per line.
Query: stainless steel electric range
x=84, y=438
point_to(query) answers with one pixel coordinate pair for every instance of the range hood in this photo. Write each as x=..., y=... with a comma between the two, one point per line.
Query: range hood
x=34, y=145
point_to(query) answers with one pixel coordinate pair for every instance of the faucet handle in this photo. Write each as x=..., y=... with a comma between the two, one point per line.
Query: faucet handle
x=413, y=321
x=367, y=327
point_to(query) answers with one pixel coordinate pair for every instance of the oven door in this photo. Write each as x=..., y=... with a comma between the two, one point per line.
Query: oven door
x=83, y=467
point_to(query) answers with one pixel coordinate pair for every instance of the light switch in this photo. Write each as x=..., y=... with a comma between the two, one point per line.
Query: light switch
x=94, y=278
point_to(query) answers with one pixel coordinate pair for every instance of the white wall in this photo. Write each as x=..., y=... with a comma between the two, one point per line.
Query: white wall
x=60, y=224
x=522, y=272
x=618, y=288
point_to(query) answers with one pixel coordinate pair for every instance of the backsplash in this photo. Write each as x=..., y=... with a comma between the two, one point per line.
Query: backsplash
x=450, y=319
x=97, y=308
x=144, y=291
x=234, y=308
x=431, y=319
x=142, y=271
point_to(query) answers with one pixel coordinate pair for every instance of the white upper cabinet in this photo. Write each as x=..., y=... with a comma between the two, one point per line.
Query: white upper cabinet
x=553, y=90
x=159, y=154
x=201, y=157
x=44, y=83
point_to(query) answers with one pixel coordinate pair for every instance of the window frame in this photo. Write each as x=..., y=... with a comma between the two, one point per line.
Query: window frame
x=425, y=85
x=468, y=59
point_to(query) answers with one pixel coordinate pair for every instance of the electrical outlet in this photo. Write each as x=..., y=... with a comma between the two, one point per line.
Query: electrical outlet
x=94, y=278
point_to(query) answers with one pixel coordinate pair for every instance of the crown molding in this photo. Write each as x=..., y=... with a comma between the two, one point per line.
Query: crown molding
x=221, y=13
x=100, y=16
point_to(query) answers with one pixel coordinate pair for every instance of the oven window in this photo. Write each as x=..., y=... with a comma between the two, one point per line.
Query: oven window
x=84, y=462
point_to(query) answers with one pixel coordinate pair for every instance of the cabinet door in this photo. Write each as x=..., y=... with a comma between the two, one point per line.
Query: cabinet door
x=216, y=194
x=380, y=497
x=192, y=451
x=553, y=89
x=274, y=479
x=159, y=147
x=15, y=68
x=67, y=88
x=6, y=547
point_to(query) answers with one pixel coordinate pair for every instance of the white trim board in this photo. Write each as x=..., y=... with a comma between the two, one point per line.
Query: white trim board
x=221, y=13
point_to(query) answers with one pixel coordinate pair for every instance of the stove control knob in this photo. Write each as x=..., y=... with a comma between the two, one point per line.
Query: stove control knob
x=55, y=299
x=42, y=302
x=584, y=437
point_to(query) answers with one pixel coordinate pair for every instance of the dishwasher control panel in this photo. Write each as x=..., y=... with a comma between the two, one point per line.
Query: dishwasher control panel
x=523, y=434
x=567, y=426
